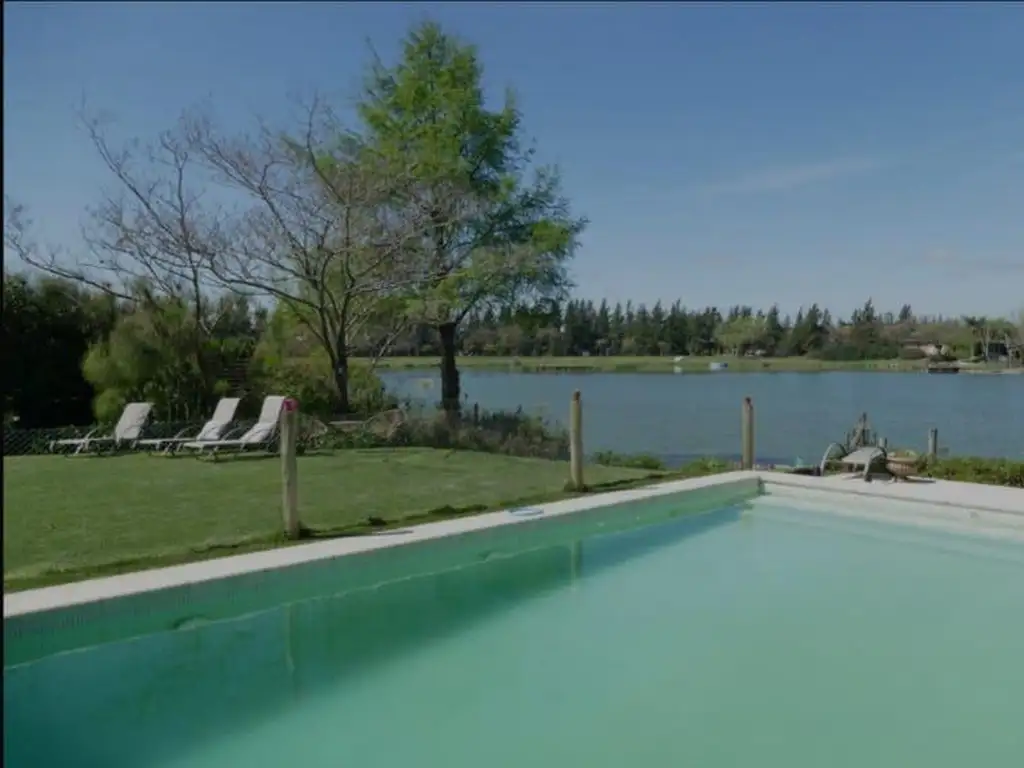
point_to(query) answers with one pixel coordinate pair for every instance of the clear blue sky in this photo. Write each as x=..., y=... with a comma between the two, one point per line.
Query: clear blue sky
x=723, y=153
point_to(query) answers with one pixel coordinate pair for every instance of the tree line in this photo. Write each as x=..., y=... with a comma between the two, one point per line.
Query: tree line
x=292, y=257
x=73, y=352
x=584, y=327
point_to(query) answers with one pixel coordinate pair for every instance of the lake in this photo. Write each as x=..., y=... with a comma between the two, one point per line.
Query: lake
x=681, y=416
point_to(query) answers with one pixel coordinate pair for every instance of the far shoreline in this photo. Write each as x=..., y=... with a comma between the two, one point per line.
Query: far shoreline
x=623, y=364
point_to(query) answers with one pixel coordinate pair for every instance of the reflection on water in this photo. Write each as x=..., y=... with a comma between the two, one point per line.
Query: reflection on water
x=147, y=700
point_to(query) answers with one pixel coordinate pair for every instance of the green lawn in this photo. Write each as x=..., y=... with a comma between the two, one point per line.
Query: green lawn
x=637, y=364
x=72, y=518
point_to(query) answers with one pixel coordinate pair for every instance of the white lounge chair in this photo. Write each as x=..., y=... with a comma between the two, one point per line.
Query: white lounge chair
x=860, y=461
x=126, y=432
x=260, y=435
x=214, y=429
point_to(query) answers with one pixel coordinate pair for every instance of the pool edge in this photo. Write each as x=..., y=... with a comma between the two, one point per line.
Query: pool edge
x=942, y=493
x=112, y=588
x=65, y=596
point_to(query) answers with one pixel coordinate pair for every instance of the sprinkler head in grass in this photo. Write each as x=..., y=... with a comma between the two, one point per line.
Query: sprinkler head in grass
x=526, y=512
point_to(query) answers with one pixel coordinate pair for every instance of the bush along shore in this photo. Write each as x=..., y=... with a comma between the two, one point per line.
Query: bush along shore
x=969, y=469
x=515, y=433
x=518, y=434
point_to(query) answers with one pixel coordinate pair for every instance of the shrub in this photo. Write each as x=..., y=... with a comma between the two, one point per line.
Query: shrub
x=310, y=381
x=1005, y=472
x=636, y=461
x=307, y=379
x=942, y=357
x=511, y=433
x=912, y=353
x=366, y=391
x=707, y=466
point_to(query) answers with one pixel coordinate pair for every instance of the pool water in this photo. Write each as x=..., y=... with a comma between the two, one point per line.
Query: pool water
x=761, y=635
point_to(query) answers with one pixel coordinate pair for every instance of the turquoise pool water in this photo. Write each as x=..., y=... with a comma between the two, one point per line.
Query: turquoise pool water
x=757, y=635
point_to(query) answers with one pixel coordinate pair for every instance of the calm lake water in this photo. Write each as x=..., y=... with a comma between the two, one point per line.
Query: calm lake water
x=798, y=414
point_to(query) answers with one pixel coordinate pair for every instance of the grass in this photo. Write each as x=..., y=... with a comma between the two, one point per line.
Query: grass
x=72, y=518
x=652, y=364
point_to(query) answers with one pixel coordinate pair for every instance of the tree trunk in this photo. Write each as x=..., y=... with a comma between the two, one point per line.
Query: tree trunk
x=450, y=391
x=341, y=384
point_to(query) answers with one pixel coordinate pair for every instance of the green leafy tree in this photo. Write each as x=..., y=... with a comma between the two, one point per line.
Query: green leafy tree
x=289, y=359
x=149, y=356
x=981, y=335
x=494, y=235
x=738, y=335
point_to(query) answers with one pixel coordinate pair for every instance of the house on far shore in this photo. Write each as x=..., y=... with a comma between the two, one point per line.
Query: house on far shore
x=926, y=348
x=934, y=349
x=1004, y=351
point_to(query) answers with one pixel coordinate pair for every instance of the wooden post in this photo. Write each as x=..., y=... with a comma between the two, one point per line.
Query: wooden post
x=933, y=443
x=747, y=435
x=576, y=442
x=289, y=467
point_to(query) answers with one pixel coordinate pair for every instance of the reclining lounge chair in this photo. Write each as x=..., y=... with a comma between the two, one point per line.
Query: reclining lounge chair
x=260, y=436
x=126, y=433
x=212, y=430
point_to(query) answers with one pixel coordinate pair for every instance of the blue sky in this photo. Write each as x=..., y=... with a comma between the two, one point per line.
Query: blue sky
x=724, y=153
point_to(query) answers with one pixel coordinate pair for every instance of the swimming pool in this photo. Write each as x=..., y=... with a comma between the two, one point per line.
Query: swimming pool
x=784, y=629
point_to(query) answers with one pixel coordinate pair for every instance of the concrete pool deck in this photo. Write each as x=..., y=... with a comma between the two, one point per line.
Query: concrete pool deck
x=1003, y=508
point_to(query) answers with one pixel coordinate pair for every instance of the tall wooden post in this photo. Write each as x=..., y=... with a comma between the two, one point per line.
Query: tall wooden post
x=747, y=435
x=576, y=442
x=933, y=443
x=289, y=467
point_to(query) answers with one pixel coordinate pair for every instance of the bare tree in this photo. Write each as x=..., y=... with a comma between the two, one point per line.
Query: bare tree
x=319, y=232
x=150, y=229
x=1007, y=332
x=149, y=237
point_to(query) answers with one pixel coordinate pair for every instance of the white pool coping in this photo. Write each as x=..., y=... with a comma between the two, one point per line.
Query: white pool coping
x=964, y=496
x=944, y=493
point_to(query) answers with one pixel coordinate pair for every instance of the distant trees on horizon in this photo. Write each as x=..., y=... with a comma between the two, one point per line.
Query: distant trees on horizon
x=583, y=327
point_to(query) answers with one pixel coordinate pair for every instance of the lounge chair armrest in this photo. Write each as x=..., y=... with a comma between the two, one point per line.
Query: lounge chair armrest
x=93, y=435
x=236, y=431
x=880, y=457
x=828, y=456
